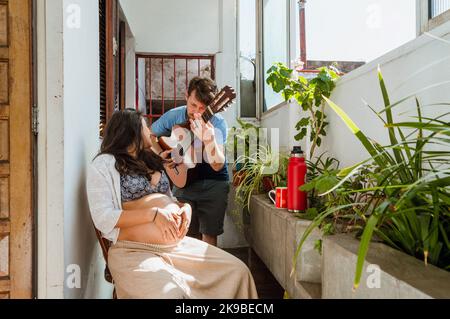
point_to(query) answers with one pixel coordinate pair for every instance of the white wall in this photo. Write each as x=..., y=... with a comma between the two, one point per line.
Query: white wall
x=284, y=119
x=357, y=30
x=173, y=26
x=50, y=150
x=407, y=69
x=186, y=27
x=81, y=143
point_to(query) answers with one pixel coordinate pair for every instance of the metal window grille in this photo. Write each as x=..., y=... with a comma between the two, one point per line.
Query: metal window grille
x=167, y=78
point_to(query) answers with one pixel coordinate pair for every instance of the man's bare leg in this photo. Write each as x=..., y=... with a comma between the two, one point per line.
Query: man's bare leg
x=196, y=236
x=212, y=240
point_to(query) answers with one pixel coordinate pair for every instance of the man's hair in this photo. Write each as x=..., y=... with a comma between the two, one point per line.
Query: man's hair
x=205, y=89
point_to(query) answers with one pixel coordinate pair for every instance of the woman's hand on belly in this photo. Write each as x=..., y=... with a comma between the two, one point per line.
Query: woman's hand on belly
x=169, y=223
x=167, y=228
x=185, y=214
x=164, y=230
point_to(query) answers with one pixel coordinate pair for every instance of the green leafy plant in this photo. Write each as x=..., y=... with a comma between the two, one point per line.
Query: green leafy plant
x=279, y=179
x=400, y=194
x=263, y=163
x=240, y=139
x=309, y=94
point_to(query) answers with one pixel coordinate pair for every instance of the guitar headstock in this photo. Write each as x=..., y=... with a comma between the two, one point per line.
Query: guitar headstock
x=222, y=100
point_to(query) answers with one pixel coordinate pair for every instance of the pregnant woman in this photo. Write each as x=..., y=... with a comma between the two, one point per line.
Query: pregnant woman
x=132, y=205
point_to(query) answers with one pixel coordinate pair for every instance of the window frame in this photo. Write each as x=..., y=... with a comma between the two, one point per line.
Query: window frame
x=260, y=52
x=424, y=21
x=238, y=62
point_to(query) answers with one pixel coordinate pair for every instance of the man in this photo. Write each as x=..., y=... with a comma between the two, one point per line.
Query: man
x=208, y=195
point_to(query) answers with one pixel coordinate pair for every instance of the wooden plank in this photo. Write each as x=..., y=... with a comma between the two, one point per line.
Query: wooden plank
x=4, y=53
x=4, y=141
x=4, y=112
x=4, y=198
x=21, y=182
x=4, y=169
x=4, y=82
x=3, y=24
x=5, y=285
x=4, y=255
x=5, y=227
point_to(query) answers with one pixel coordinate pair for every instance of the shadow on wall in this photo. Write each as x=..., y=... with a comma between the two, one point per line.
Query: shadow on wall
x=83, y=258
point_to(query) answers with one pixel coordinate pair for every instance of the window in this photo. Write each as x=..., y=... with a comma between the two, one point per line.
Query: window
x=163, y=80
x=437, y=7
x=111, y=62
x=431, y=14
x=275, y=44
x=102, y=54
x=247, y=58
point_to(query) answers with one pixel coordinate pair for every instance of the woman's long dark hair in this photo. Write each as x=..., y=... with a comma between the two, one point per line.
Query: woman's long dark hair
x=124, y=130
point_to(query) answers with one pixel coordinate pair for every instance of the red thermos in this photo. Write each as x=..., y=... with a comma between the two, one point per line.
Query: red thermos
x=296, y=178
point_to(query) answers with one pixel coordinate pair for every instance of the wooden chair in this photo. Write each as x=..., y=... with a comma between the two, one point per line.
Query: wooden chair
x=105, y=244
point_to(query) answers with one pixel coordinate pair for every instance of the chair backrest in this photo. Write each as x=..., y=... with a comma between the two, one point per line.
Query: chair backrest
x=104, y=244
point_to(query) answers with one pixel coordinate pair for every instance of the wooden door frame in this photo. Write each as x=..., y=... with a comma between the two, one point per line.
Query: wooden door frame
x=18, y=109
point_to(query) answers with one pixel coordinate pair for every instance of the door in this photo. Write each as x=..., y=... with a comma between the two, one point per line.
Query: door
x=16, y=220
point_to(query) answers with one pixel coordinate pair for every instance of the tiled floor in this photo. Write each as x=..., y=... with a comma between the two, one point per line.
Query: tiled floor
x=266, y=284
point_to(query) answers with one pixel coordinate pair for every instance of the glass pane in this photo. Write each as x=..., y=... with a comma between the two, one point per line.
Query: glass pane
x=247, y=66
x=275, y=45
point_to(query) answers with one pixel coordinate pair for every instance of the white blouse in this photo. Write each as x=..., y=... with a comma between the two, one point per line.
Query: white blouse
x=103, y=192
x=104, y=197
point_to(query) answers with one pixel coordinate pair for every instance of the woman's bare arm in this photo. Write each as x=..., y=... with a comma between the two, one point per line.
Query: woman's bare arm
x=131, y=218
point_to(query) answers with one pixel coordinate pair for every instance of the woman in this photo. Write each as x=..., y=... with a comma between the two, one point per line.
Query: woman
x=132, y=205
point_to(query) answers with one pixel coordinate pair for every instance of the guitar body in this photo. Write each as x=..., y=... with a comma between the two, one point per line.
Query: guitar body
x=181, y=141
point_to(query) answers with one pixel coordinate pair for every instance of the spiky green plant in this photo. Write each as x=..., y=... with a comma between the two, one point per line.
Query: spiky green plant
x=405, y=197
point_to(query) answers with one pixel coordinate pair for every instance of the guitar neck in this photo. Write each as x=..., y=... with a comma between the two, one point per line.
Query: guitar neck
x=207, y=115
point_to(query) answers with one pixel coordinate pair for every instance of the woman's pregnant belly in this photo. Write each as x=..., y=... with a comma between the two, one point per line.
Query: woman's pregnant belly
x=148, y=233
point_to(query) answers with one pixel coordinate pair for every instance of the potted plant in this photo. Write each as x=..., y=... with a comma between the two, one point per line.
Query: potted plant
x=239, y=141
x=257, y=167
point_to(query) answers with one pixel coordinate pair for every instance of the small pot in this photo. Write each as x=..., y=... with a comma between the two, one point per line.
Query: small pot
x=238, y=177
x=268, y=184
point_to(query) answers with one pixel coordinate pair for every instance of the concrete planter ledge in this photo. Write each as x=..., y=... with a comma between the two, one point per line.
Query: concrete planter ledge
x=388, y=273
x=275, y=234
x=401, y=276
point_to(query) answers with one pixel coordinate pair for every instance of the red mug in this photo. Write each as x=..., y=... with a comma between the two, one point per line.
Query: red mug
x=281, y=196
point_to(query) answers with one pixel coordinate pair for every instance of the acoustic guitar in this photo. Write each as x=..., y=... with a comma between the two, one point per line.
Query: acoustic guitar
x=181, y=140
